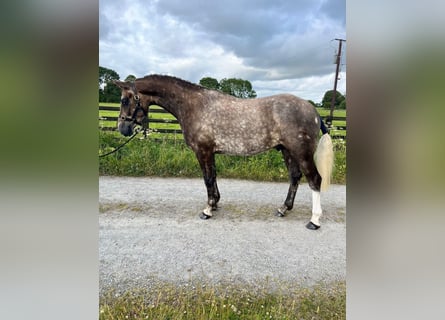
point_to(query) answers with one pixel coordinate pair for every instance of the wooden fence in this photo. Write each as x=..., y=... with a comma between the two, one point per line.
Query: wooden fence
x=337, y=131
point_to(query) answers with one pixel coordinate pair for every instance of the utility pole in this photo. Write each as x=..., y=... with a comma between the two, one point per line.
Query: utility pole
x=334, y=94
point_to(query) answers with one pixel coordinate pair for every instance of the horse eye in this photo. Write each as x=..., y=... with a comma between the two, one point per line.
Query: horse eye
x=125, y=101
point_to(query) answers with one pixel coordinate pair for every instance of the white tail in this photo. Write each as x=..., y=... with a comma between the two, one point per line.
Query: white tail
x=324, y=160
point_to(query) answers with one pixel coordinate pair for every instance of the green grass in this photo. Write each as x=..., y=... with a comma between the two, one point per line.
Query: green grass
x=170, y=158
x=202, y=302
x=337, y=112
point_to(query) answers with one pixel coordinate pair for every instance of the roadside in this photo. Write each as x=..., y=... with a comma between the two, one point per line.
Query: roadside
x=150, y=233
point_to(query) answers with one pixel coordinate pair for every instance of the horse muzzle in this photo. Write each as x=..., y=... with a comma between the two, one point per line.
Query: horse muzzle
x=126, y=128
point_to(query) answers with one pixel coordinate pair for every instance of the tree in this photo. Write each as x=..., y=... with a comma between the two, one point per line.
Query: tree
x=130, y=78
x=326, y=102
x=107, y=75
x=210, y=83
x=108, y=92
x=237, y=87
x=112, y=93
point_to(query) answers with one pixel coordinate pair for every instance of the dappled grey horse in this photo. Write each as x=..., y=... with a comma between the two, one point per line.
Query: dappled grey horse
x=213, y=122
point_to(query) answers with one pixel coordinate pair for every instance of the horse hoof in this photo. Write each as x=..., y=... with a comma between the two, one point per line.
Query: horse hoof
x=280, y=214
x=203, y=216
x=312, y=226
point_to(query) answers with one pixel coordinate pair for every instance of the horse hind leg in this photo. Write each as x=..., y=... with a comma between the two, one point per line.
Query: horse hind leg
x=314, y=179
x=314, y=223
x=294, y=177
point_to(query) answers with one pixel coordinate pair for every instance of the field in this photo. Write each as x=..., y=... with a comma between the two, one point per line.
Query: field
x=336, y=123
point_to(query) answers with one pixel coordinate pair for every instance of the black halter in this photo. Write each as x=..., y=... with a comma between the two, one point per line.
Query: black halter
x=126, y=101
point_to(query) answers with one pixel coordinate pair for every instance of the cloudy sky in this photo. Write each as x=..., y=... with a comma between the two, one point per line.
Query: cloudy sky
x=280, y=46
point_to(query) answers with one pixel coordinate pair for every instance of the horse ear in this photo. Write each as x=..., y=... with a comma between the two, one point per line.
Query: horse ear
x=121, y=84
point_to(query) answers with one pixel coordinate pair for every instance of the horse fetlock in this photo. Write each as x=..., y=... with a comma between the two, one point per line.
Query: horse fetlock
x=281, y=211
x=213, y=203
x=206, y=213
x=289, y=204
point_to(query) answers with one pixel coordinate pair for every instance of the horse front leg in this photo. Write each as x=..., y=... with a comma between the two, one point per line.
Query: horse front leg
x=207, y=163
x=216, y=194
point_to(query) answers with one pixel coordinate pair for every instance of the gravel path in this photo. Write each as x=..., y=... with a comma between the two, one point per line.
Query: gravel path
x=150, y=233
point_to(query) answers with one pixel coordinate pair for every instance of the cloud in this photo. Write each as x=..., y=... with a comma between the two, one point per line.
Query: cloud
x=255, y=40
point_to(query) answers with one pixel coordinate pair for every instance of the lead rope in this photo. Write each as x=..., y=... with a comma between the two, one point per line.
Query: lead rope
x=136, y=131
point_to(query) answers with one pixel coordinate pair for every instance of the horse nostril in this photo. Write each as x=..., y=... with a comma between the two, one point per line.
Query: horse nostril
x=126, y=131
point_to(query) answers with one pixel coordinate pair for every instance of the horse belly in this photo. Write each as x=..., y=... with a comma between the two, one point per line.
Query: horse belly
x=244, y=143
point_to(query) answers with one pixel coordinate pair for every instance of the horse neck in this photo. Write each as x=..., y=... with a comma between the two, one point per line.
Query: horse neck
x=174, y=98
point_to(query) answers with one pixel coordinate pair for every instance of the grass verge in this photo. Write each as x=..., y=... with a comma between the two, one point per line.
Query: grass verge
x=225, y=302
x=173, y=158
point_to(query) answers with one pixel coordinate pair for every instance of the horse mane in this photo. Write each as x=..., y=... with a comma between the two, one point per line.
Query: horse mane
x=173, y=80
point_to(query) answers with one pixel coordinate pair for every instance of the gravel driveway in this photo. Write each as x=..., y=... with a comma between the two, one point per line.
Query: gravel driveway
x=150, y=233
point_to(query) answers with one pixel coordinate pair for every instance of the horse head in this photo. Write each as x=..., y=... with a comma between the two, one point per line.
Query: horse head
x=133, y=110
